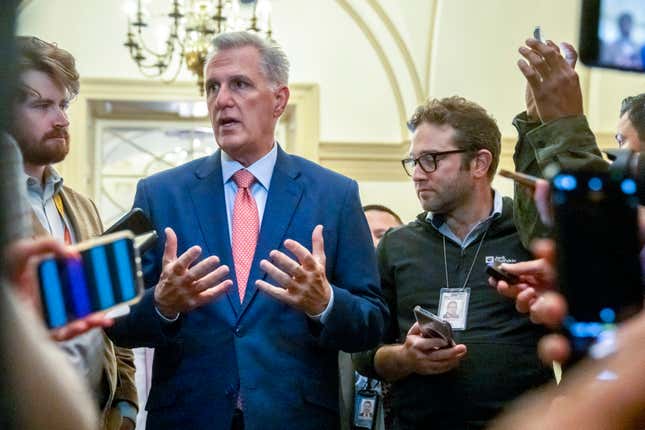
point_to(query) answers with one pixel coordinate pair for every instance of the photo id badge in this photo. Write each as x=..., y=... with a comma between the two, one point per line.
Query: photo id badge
x=453, y=306
x=365, y=407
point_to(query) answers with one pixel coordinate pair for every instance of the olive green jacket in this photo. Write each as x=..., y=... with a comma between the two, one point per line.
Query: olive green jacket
x=567, y=144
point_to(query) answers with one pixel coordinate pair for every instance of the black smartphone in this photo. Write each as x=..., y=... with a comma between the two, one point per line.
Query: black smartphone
x=139, y=224
x=501, y=275
x=433, y=326
x=610, y=36
x=597, y=248
x=135, y=221
x=107, y=274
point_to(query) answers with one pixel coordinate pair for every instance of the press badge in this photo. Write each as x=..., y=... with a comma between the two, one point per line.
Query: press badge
x=365, y=406
x=453, y=306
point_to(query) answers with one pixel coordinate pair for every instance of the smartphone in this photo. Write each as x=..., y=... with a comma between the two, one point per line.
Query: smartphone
x=537, y=34
x=107, y=274
x=145, y=241
x=501, y=275
x=597, y=248
x=139, y=224
x=135, y=221
x=610, y=36
x=433, y=326
x=521, y=178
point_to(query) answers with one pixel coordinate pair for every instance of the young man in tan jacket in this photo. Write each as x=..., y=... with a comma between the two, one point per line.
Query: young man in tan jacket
x=48, y=80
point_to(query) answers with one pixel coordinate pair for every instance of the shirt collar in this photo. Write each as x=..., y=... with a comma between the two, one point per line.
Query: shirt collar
x=261, y=169
x=438, y=219
x=53, y=181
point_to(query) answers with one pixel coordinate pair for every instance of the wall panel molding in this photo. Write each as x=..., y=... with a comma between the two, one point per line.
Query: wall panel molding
x=383, y=58
x=430, y=38
x=403, y=48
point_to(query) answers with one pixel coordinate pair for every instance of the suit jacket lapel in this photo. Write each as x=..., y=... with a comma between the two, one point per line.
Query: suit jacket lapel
x=210, y=208
x=285, y=193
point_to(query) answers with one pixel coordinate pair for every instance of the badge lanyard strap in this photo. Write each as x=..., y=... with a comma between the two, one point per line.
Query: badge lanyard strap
x=445, y=260
x=58, y=202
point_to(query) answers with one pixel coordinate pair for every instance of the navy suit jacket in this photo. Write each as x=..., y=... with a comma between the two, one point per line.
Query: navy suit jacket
x=283, y=364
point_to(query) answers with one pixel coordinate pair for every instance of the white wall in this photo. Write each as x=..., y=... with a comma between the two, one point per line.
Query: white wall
x=374, y=61
x=473, y=45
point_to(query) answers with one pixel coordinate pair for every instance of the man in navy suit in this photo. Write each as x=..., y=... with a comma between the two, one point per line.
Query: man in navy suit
x=254, y=346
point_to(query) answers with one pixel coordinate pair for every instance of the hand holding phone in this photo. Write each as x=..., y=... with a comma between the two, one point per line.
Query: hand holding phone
x=553, y=89
x=597, y=251
x=498, y=273
x=433, y=326
x=537, y=34
x=107, y=274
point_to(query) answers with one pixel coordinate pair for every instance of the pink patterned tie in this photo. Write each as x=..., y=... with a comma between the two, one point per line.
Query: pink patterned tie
x=245, y=228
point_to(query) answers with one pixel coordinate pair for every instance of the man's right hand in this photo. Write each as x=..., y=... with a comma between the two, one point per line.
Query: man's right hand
x=418, y=354
x=428, y=355
x=535, y=294
x=181, y=287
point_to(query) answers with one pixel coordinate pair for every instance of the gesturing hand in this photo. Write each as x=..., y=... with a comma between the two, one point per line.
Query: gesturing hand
x=553, y=88
x=181, y=287
x=304, y=282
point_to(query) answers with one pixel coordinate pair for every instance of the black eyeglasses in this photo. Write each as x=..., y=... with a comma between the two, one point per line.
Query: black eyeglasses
x=427, y=161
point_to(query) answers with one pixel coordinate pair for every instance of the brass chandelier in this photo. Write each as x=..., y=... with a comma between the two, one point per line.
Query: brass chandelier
x=193, y=24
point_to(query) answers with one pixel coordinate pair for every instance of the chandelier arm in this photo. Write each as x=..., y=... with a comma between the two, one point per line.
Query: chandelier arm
x=150, y=65
x=199, y=26
x=169, y=47
x=146, y=74
x=179, y=66
x=176, y=15
x=143, y=68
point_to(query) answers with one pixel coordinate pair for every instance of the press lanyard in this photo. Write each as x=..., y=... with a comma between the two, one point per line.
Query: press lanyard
x=58, y=202
x=445, y=260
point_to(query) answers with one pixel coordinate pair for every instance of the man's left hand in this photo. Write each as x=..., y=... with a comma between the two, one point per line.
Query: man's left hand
x=304, y=282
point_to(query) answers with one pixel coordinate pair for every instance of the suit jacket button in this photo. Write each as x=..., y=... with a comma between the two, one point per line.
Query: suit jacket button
x=238, y=331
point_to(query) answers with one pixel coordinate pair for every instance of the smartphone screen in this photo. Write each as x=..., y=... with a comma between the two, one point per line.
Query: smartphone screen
x=611, y=34
x=106, y=275
x=598, y=253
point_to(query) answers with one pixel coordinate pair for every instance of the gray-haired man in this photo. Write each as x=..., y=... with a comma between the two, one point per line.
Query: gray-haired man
x=255, y=346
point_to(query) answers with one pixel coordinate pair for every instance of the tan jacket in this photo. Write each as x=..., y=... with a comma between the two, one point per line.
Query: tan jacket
x=118, y=362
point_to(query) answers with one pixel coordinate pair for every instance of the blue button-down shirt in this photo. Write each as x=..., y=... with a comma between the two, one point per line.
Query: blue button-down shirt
x=41, y=199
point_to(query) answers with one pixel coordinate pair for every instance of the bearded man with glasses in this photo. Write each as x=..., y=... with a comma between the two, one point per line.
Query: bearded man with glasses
x=441, y=258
